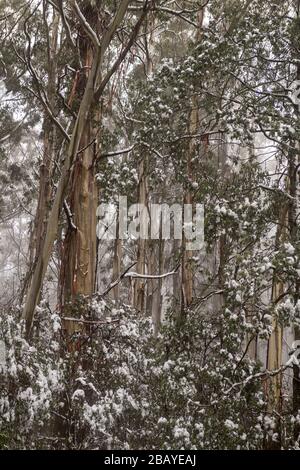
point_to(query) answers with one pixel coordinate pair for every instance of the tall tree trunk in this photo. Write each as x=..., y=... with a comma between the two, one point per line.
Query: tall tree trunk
x=117, y=263
x=139, y=288
x=274, y=351
x=157, y=284
x=84, y=114
x=139, y=284
x=187, y=262
x=79, y=247
x=294, y=214
x=46, y=166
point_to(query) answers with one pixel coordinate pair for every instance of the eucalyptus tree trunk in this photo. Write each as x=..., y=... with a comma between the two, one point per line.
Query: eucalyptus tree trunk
x=274, y=350
x=139, y=286
x=48, y=144
x=157, y=299
x=294, y=215
x=287, y=230
x=296, y=368
x=84, y=114
x=117, y=263
x=274, y=354
x=187, y=255
x=187, y=262
x=79, y=247
x=48, y=155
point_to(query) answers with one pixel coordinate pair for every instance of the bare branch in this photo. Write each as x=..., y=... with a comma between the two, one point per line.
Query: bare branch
x=123, y=54
x=114, y=25
x=134, y=275
x=65, y=23
x=41, y=95
x=90, y=322
x=7, y=136
x=86, y=26
x=69, y=216
x=117, y=152
x=117, y=281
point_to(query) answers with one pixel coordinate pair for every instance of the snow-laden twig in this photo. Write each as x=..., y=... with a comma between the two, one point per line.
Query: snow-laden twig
x=69, y=216
x=90, y=322
x=150, y=276
x=135, y=275
x=117, y=152
x=259, y=375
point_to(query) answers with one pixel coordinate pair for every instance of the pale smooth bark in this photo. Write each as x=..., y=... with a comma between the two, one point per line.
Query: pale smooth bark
x=46, y=166
x=140, y=284
x=187, y=262
x=139, y=287
x=117, y=264
x=274, y=350
x=157, y=289
x=294, y=214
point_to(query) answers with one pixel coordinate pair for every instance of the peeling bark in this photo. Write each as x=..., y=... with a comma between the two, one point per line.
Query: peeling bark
x=83, y=116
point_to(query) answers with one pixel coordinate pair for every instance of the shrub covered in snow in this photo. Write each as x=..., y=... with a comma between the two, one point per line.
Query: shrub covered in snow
x=190, y=388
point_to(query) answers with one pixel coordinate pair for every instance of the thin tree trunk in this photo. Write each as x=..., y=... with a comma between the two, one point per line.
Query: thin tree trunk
x=294, y=214
x=274, y=351
x=117, y=264
x=139, y=284
x=187, y=262
x=157, y=285
x=46, y=166
x=139, y=288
